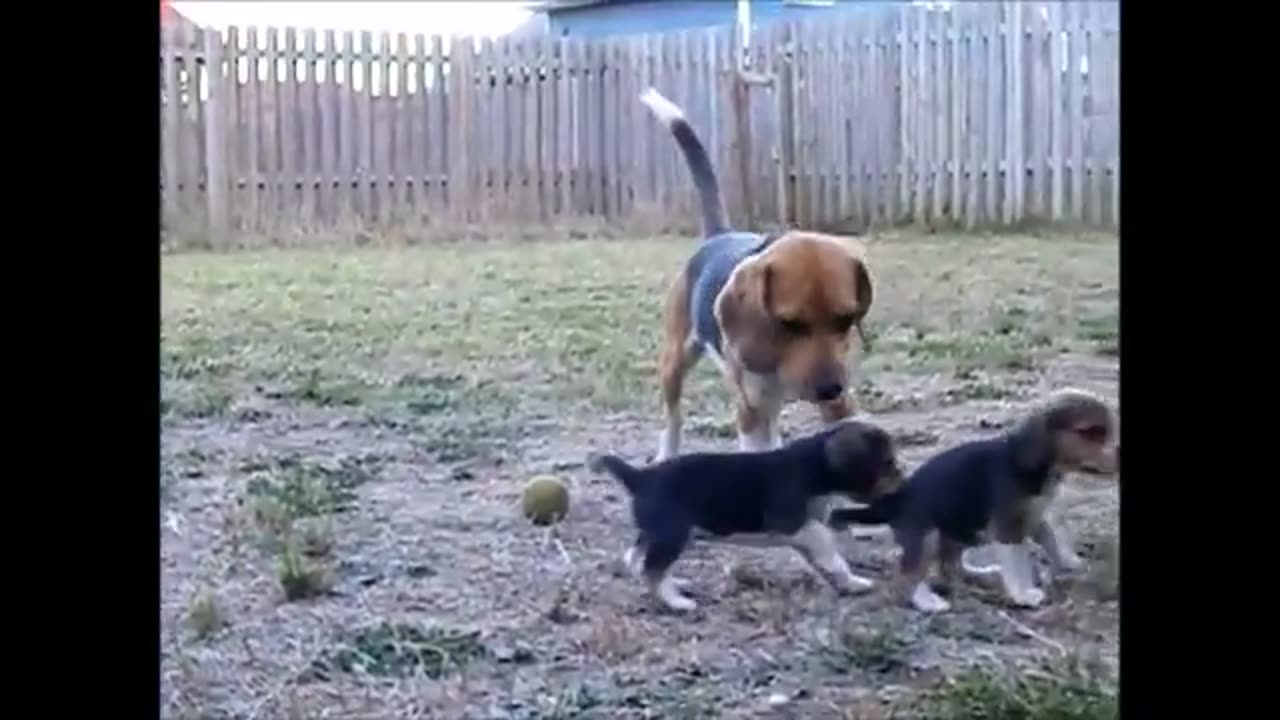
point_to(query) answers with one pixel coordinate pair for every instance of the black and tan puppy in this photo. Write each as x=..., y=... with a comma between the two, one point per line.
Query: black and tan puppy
x=764, y=498
x=780, y=315
x=997, y=488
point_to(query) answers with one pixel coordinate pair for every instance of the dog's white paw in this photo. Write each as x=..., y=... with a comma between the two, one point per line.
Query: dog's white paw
x=1071, y=562
x=855, y=585
x=1028, y=597
x=980, y=571
x=669, y=593
x=633, y=561
x=924, y=599
x=681, y=604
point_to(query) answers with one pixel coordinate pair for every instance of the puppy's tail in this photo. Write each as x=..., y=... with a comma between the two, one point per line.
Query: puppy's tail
x=695, y=155
x=613, y=465
x=881, y=511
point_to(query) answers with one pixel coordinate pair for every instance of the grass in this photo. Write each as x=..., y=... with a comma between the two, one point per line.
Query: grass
x=301, y=577
x=292, y=503
x=398, y=650
x=205, y=616
x=1063, y=690
x=879, y=651
x=477, y=338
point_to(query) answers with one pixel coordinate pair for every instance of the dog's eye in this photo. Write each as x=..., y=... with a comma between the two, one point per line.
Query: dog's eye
x=844, y=322
x=794, y=327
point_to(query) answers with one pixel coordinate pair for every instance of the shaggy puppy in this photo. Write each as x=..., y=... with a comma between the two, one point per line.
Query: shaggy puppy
x=767, y=498
x=779, y=315
x=998, y=487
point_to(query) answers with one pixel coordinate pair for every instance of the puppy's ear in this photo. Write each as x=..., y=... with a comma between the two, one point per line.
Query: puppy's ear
x=745, y=318
x=846, y=447
x=1032, y=443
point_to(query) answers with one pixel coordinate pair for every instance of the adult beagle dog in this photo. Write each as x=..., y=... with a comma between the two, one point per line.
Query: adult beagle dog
x=995, y=488
x=779, y=314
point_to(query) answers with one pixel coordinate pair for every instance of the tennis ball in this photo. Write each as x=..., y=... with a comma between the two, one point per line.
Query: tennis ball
x=545, y=500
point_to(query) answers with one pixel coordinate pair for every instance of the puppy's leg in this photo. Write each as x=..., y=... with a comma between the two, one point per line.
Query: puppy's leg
x=918, y=550
x=949, y=566
x=661, y=553
x=633, y=558
x=817, y=545
x=1017, y=573
x=680, y=352
x=1056, y=546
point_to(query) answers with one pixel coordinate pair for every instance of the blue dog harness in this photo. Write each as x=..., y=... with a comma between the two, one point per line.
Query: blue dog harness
x=708, y=271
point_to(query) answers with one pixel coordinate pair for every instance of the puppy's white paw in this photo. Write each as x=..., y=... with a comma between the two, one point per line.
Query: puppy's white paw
x=682, y=604
x=1028, y=597
x=1071, y=562
x=633, y=561
x=668, y=592
x=979, y=571
x=924, y=599
x=855, y=585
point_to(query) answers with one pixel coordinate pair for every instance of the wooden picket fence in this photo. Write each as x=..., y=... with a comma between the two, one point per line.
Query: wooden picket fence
x=985, y=113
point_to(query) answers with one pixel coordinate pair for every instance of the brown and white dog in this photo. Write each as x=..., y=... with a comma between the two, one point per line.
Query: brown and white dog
x=779, y=314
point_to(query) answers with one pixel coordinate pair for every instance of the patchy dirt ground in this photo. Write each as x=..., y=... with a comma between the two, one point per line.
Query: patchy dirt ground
x=345, y=436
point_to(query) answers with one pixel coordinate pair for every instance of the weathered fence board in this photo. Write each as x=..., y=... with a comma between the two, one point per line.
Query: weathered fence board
x=982, y=113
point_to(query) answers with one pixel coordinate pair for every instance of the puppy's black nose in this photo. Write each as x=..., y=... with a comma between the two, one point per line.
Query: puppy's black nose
x=828, y=391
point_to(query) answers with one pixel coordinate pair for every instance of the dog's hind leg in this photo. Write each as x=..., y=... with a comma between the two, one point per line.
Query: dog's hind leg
x=633, y=560
x=680, y=352
x=660, y=554
x=817, y=545
x=918, y=551
x=949, y=564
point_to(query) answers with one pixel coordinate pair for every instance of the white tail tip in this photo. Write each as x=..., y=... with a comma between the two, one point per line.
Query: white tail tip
x=666, y=111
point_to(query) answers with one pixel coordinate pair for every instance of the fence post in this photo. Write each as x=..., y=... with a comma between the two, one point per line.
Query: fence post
x=740, y=92
x=784, y=57
x=461, y=133
x=215, y=139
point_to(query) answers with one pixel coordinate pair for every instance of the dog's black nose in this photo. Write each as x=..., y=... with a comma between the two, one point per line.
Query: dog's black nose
x=828, y=391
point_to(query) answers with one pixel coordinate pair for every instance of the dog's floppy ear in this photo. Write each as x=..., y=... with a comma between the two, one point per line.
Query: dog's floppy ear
x=1032, y=443
x=864, y=294
x=846, y=447
x=745, y=318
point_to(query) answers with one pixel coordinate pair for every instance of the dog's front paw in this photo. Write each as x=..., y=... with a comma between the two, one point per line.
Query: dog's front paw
x=924, y=599
x=680, y=603
x=669, y=594
x=1070, y=562
x=854, y=585
x=679, y=583
x=1027, y=598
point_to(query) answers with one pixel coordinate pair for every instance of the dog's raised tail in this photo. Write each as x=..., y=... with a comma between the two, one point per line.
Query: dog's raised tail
x=617, y=467
x=695, y=155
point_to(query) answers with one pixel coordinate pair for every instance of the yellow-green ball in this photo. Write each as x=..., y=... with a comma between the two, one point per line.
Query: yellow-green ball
x=545, y=500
